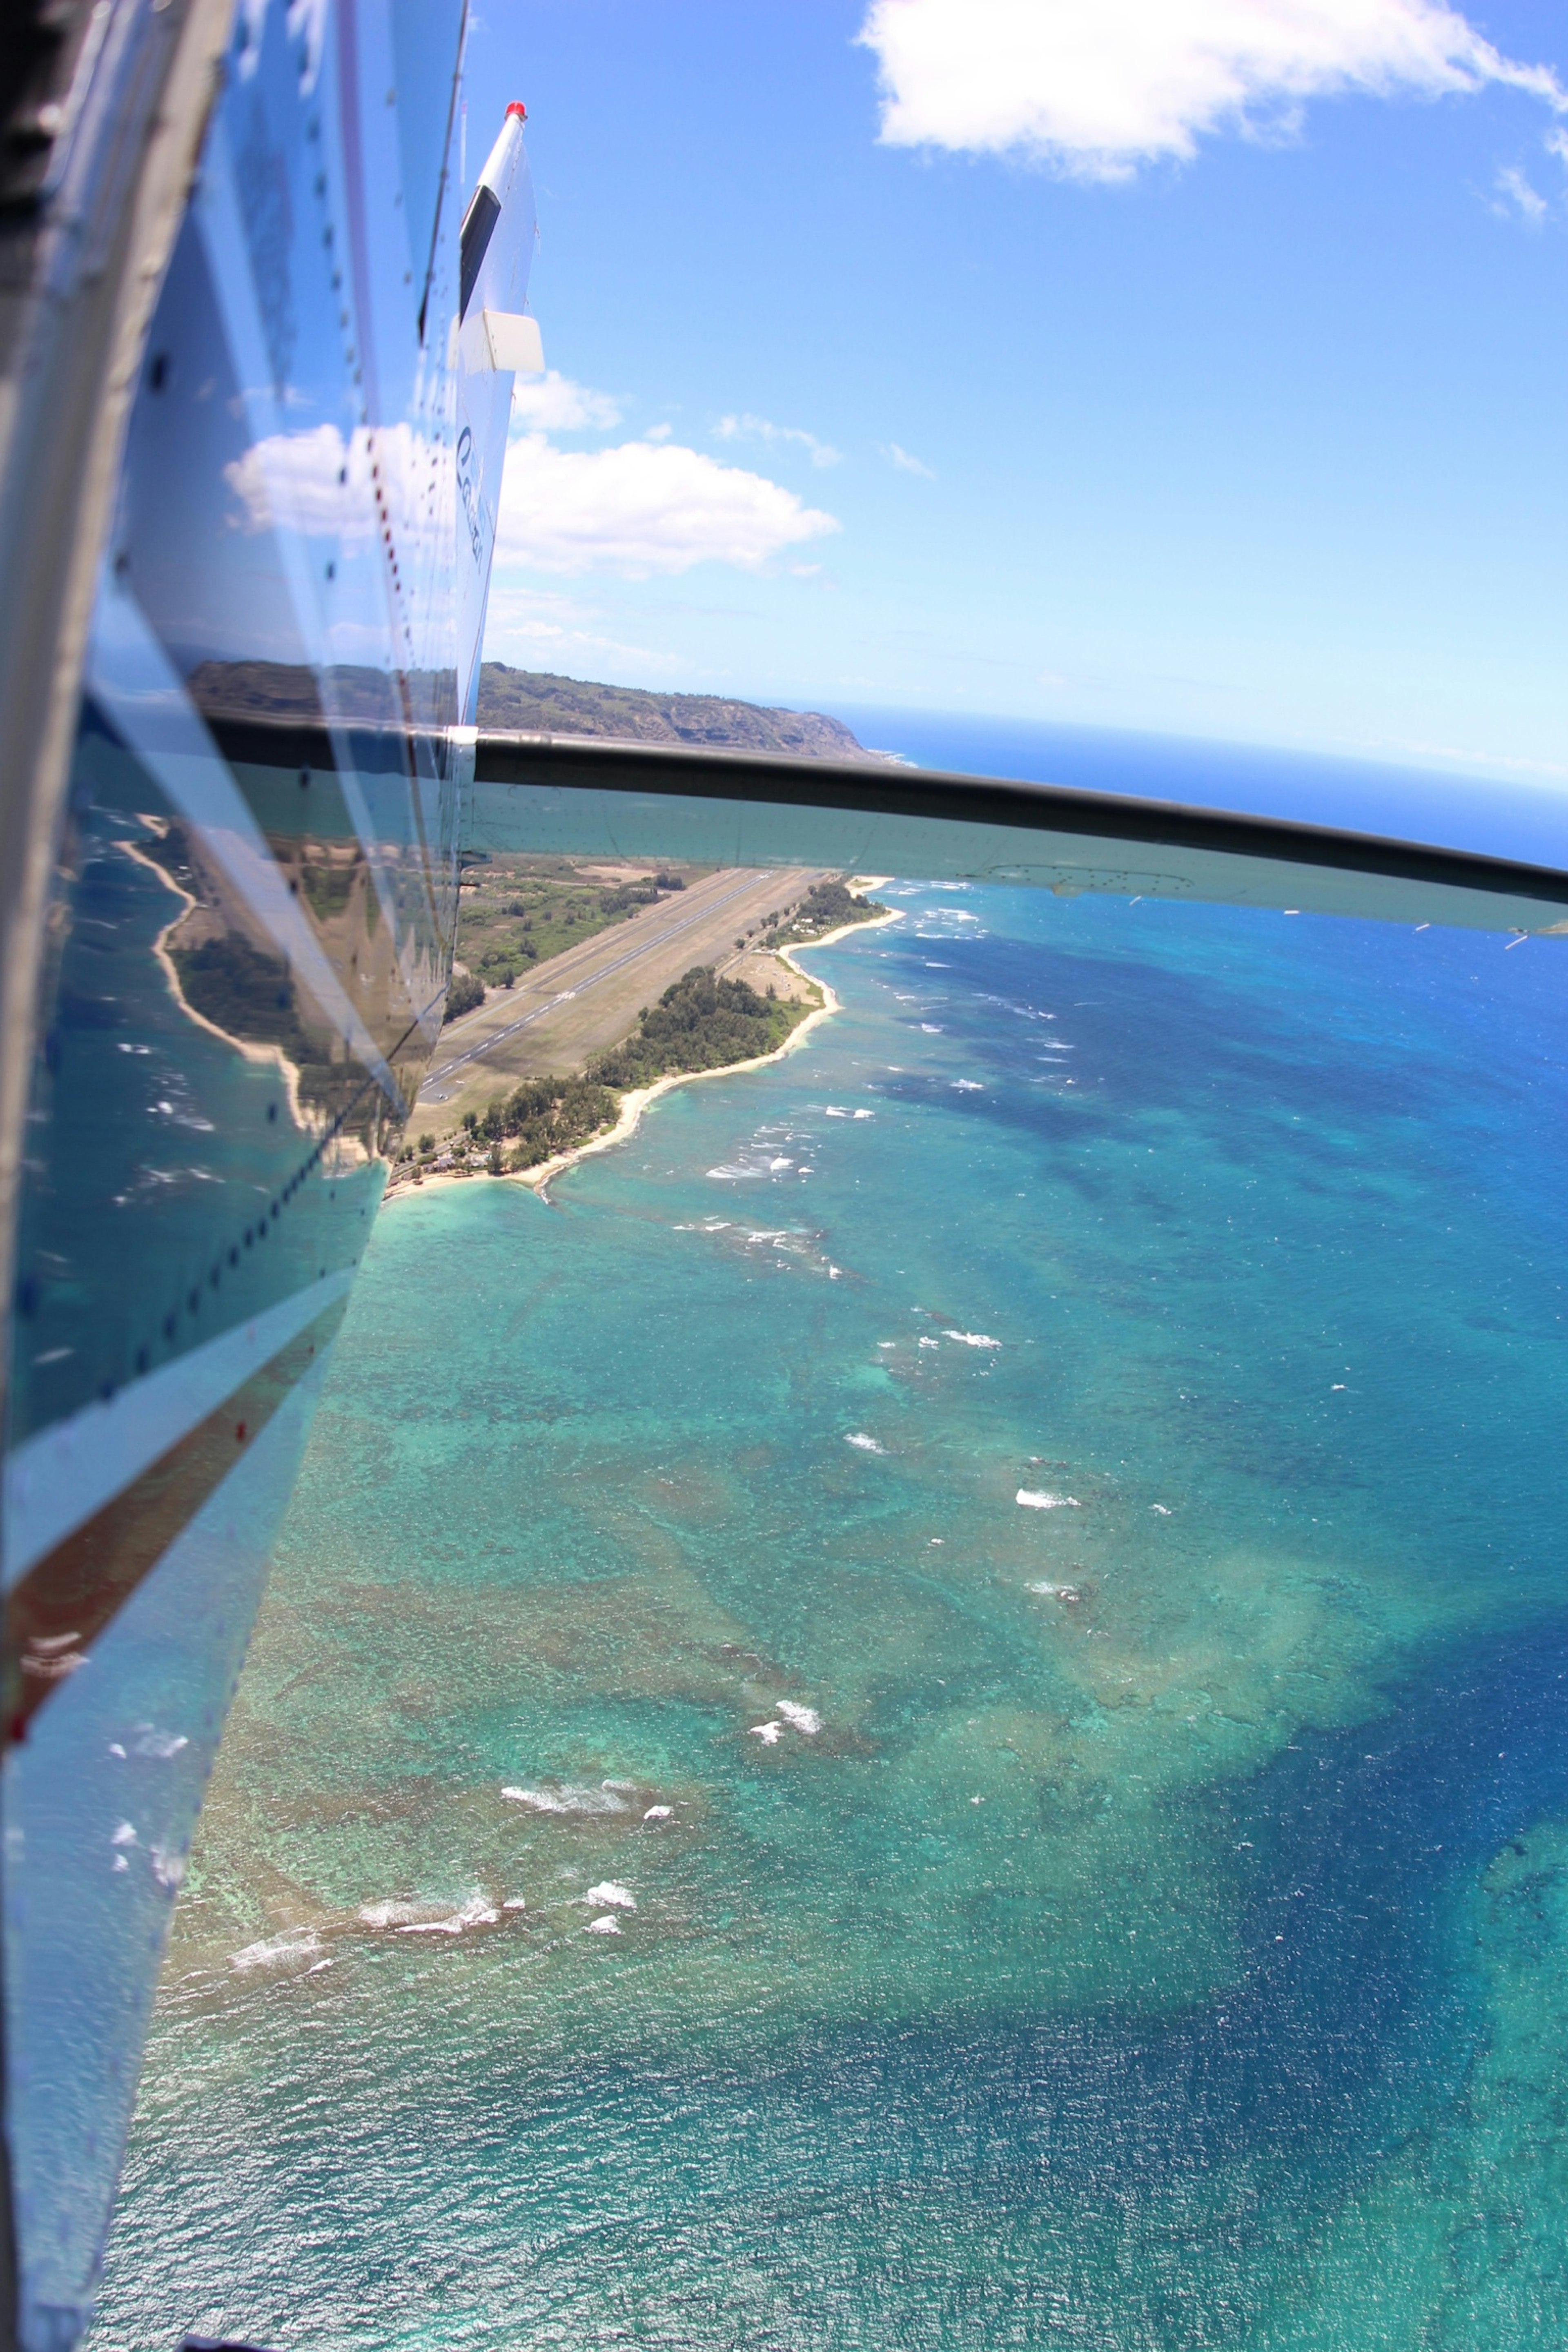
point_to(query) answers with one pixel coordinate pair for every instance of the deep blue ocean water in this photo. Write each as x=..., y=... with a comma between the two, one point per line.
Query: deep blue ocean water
x=1522, y=816
x=928, y=1711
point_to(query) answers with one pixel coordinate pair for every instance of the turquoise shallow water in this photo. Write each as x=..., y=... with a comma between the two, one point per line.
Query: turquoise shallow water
x=700, y=1860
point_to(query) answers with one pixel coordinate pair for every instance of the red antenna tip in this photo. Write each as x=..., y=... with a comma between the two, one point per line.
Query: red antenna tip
x=517, y=107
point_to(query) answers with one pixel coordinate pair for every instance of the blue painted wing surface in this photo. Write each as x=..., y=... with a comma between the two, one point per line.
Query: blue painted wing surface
x=250, y=943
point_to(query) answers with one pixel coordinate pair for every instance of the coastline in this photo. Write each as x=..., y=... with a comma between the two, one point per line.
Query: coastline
x=633, y=1105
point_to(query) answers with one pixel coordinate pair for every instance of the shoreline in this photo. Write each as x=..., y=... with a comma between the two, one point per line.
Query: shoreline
x=634, y=1104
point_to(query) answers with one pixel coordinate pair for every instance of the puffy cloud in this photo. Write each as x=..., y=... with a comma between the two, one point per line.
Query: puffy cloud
x=643, y=508
x=1093, y=88
x=905, y=463
x=758, y=428
x=551, y=403
x=317, y=482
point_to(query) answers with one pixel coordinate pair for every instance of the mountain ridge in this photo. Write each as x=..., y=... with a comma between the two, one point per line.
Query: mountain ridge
x=541, y=702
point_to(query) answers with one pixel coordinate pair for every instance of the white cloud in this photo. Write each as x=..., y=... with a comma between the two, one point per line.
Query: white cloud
x=536, y=630
x=1517, y=196
x=1093, y=88
x=315, y=482
x=553, y=403
x=641, y=509
x=758, y=428
x=905, y=463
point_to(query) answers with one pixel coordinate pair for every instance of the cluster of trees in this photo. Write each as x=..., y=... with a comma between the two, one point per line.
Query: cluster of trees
x=826, y=906
x=541, y=1117
x=628, y=895
x=465, y=995
x=699, y=1022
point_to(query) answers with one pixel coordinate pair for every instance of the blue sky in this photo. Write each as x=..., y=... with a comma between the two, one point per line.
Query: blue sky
x=1189, y=365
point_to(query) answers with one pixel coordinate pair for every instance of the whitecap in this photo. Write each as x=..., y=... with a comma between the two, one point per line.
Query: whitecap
x=608, y=1925
x=867, y=1444
x=659, y=1814
x=566, y=1799
x=833, y=1112
x=768, y=1733
x=278, y=1951
x=1163, y=1509
x=967, y=1087
x=780, y=1163
x=476, y=1912
x=1035, y=1501
x=610, y=1891
x=865, y=1114
x=515, y=1903
x=398, y=1915
x=932, y=1029
x=972, y=1339
x=930, y=1343
x=804, y=1718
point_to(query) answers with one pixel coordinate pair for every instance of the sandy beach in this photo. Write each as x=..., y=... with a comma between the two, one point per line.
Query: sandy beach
x=633, y=1105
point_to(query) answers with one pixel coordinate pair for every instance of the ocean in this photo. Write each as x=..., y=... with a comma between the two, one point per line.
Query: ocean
x=928, y=1709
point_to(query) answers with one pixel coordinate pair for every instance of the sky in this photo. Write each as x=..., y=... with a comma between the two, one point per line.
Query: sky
x=1194, y=366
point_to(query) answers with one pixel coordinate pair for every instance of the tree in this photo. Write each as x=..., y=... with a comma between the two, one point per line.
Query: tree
x=465, y=994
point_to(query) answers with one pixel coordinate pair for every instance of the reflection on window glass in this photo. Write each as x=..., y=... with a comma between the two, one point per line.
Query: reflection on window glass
x=426, y=42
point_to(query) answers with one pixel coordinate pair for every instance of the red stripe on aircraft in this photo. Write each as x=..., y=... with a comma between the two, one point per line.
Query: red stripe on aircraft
x=66, y=1599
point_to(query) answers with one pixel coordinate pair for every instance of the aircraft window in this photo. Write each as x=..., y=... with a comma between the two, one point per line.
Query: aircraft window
x=883, y=1684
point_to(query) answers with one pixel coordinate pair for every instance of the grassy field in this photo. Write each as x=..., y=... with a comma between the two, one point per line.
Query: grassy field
x=516, y=912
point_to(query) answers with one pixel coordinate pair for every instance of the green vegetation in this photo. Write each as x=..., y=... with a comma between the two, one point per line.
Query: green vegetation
x=514, y=913
x=541, y=1117
x=826, y=906
x=465, y=995
x=538, y=702
x=700, y=1023
x=242, y=991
